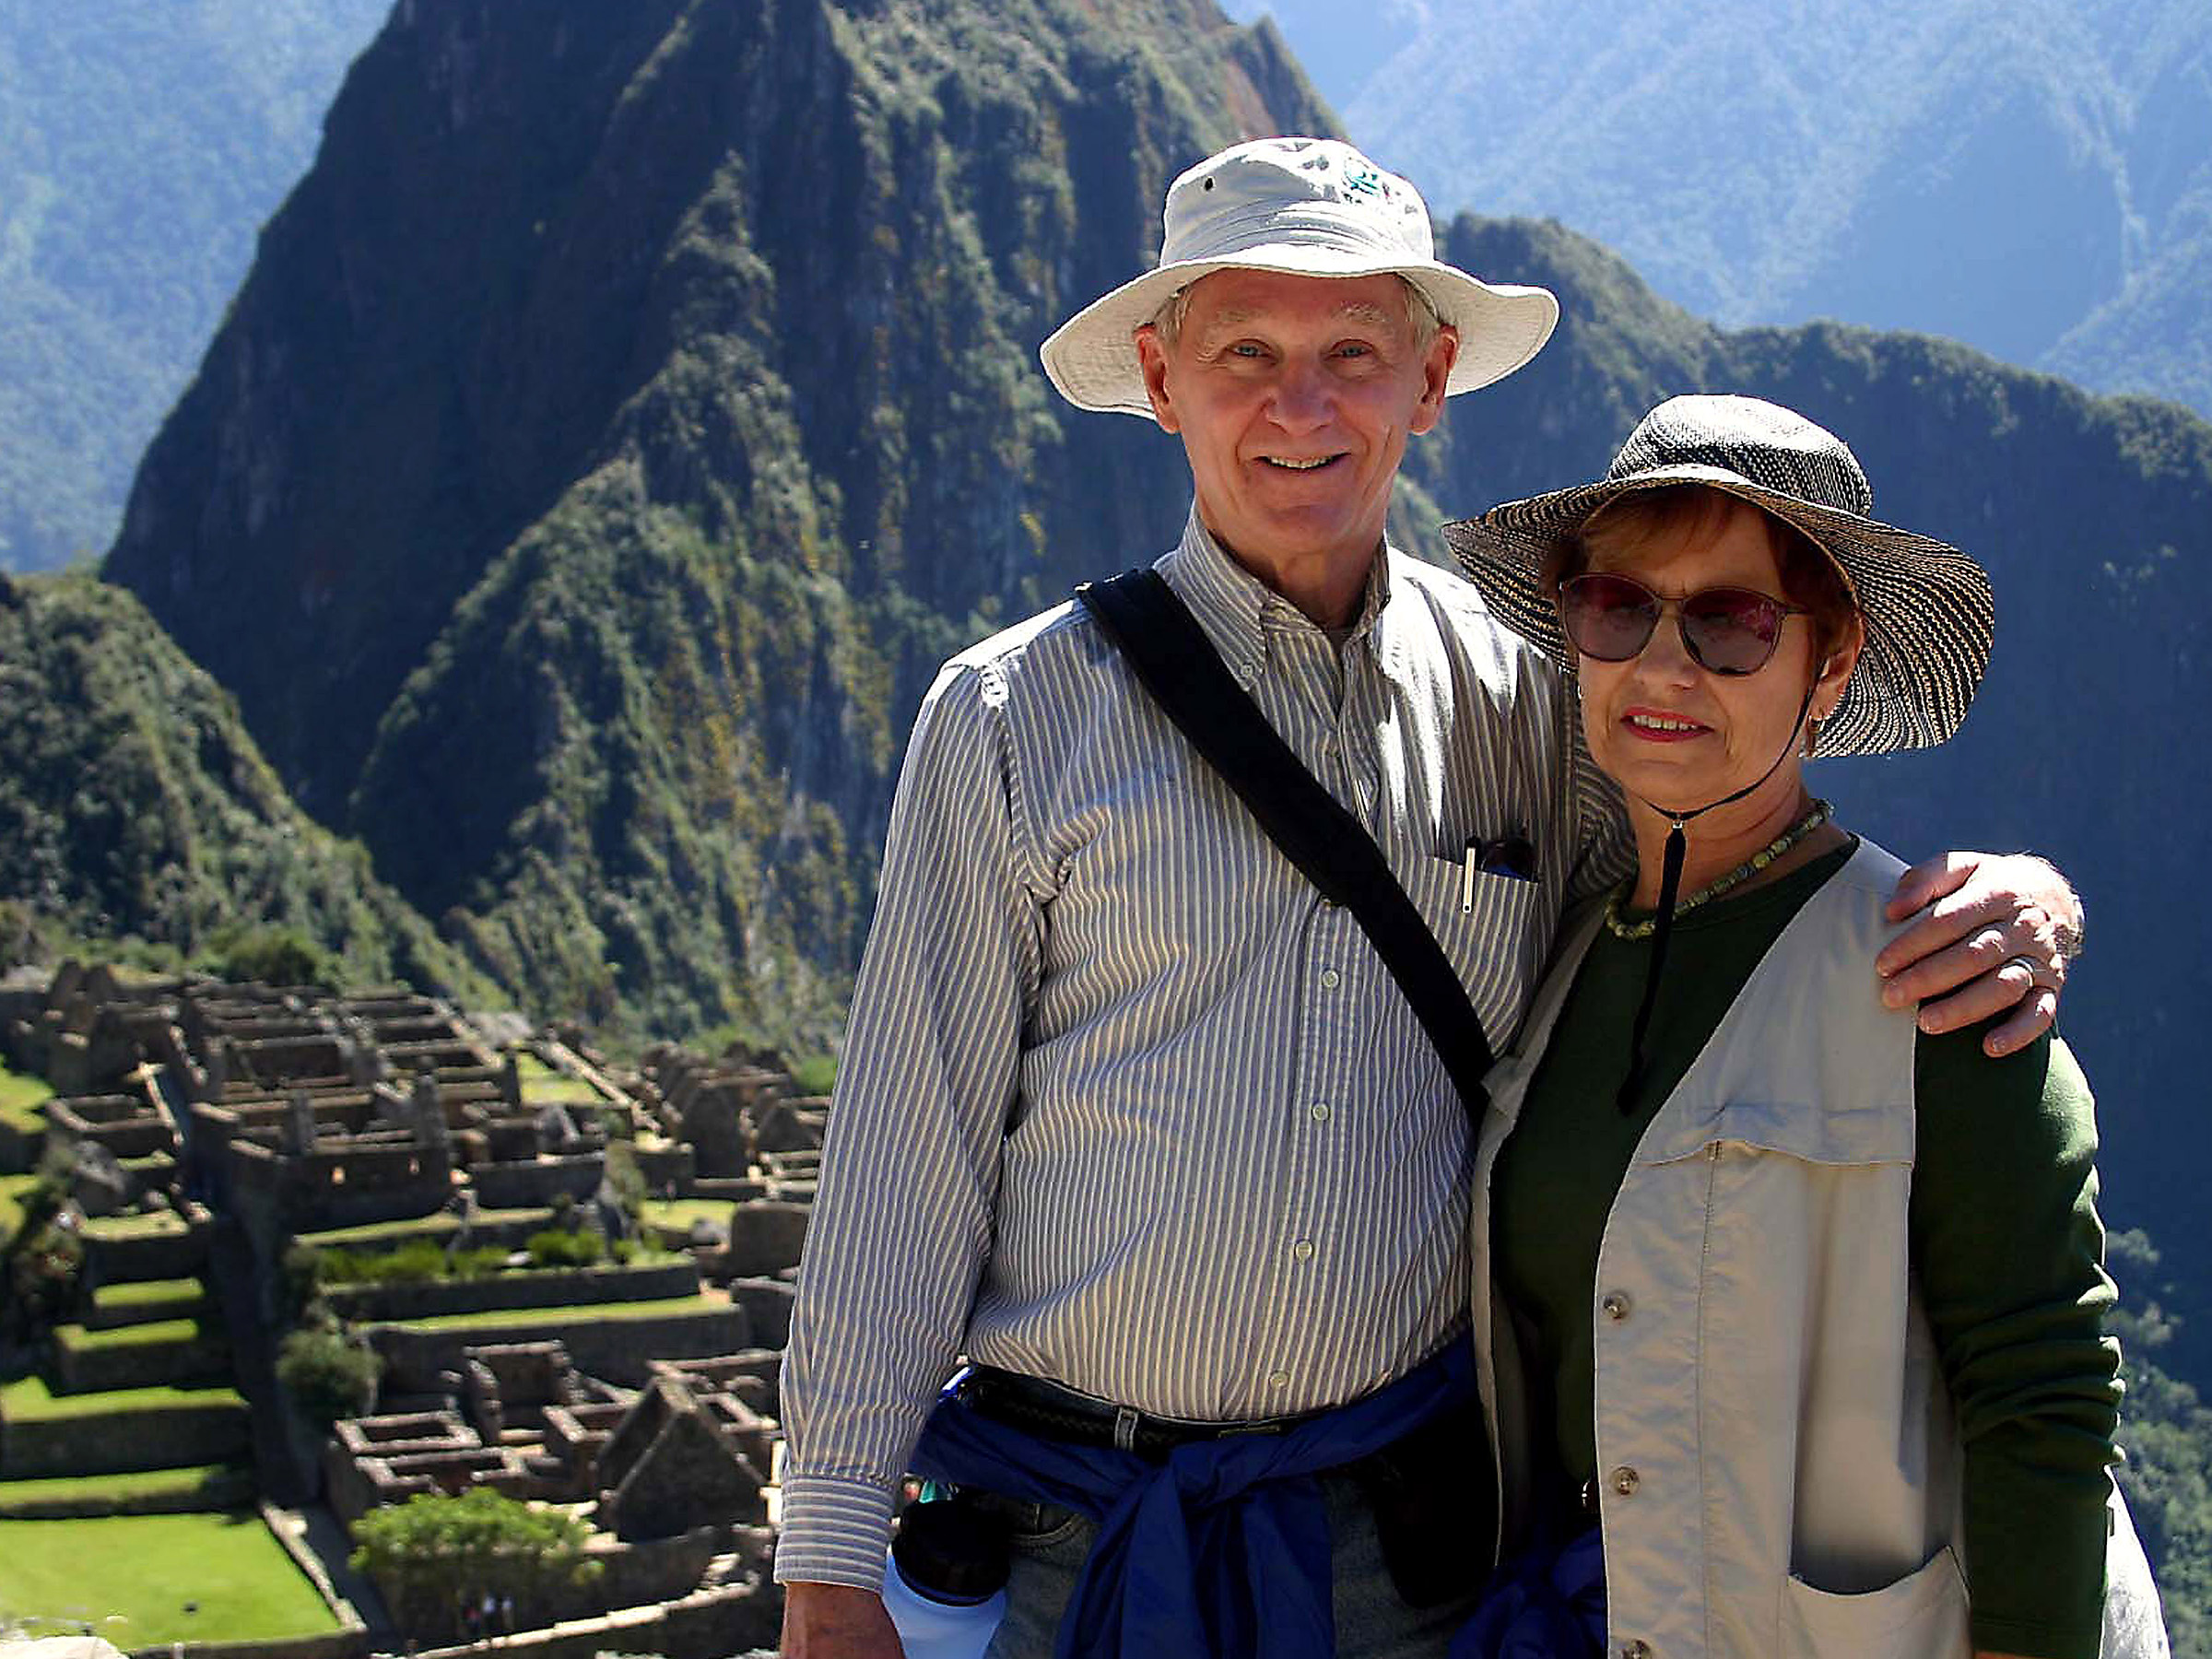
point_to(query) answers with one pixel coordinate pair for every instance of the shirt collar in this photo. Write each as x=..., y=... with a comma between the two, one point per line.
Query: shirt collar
x=1236, y=608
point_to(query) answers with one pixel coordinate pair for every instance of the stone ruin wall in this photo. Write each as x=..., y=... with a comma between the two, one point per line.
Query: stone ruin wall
x=294, y=1112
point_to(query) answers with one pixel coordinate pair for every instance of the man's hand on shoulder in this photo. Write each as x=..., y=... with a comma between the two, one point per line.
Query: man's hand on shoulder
x=1995, y=932
x=836, y=1622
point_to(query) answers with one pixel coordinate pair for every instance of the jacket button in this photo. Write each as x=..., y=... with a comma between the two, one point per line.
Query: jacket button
x=1615, y=1303
x=1626, y=1480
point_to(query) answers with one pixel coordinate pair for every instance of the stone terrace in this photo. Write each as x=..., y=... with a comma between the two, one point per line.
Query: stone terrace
x=385, y=1117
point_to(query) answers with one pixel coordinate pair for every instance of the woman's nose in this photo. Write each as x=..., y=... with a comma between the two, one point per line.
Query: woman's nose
x=1665, y=656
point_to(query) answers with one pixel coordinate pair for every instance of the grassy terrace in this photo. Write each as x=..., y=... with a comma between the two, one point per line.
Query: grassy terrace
x=521, y=1318
x=421, y=1227
x=544, y=1086
x=20, y=1098
x=150, y=1333
x=148, y=1294
x=28, y=1400
x=152, y=1225
x=214, y=1481
x=131, y=1577
x=679, y=1213
x=12, y=1188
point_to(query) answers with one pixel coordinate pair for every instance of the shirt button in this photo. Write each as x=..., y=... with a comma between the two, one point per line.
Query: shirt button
x=1331, y=979
x=1626, y=1480
x=1319, y=1111
x=1278, y=1378
x=1616, y=1304
x=1303, y=1250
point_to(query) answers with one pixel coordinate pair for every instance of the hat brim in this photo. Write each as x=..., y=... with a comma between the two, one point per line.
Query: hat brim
x=1092, y=360
x=1929, y=613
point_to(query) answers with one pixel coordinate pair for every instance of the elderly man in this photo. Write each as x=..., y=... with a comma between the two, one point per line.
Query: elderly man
x=1132, y=1117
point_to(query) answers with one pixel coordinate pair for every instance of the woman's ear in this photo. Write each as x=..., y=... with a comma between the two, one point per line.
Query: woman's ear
x=1835, y=669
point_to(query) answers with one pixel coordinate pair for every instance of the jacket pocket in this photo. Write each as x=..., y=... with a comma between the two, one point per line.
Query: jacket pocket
x=1921, y=1616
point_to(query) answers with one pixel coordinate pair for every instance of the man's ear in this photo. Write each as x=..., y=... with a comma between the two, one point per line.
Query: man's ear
x=1152, y=358
x=1436, y=373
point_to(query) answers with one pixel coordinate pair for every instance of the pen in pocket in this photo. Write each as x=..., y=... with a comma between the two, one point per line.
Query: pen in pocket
x=1511, y=855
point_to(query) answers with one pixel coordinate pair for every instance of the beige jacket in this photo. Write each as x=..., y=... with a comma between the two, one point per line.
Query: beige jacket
x=1779, y=1465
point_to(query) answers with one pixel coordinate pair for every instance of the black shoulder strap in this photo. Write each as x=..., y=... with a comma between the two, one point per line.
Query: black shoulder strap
x=1178, y=664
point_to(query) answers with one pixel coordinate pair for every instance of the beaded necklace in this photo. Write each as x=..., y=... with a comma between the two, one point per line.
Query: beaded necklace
x=1622, y=929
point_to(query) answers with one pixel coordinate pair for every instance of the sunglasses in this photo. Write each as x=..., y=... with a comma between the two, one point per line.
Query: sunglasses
x=1725, y=629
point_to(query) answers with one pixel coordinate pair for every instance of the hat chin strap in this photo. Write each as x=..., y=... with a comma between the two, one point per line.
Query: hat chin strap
x=1670, y=882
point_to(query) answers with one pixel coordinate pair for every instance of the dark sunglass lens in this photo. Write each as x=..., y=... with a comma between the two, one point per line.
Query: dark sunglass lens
x=1731, y=631
x=1607, y=618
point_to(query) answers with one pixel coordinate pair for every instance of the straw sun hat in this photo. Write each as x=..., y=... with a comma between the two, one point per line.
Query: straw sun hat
x=1926, y=606
x=1312, y=207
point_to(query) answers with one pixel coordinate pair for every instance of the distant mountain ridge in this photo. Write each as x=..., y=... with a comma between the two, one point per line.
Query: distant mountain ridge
x=142, y=142
x=588, y=480
x=2034, y=178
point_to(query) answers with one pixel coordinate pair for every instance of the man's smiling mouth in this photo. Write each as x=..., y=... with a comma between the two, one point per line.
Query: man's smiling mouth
x=1291, y=464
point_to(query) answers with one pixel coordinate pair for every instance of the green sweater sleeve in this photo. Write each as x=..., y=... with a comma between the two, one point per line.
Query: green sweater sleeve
x=2010, y=1254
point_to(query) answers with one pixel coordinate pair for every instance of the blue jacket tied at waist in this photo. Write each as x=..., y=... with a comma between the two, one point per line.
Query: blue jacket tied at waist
x=1220, y=1551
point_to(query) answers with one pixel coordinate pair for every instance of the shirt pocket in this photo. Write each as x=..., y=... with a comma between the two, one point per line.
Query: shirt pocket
x=1494, y=931
x=1921, y=1616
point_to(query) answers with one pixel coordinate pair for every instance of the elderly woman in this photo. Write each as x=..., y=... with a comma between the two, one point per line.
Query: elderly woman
x=1792, y=1339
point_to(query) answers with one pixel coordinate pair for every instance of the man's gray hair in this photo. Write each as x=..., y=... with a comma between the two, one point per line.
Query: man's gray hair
x=1421, y=315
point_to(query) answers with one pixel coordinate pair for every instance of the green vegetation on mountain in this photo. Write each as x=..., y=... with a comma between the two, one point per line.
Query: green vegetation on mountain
x=2166, y=1431
x=133, y=804
x=694, y=421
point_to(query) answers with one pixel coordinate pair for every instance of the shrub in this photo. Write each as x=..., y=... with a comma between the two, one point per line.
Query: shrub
x=417, y=1262
x=328, y=1376
x=554, y=1248
x=480, y=1262
x=435, y=1556
x=275, y=956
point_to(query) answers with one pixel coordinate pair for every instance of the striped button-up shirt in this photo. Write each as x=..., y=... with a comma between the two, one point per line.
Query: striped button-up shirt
x=1124, y=1102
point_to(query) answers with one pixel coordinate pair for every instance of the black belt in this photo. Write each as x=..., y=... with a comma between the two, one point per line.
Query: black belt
x=1047, y=1410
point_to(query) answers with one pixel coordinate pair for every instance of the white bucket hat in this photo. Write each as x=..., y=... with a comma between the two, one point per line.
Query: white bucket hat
x=1312, y=207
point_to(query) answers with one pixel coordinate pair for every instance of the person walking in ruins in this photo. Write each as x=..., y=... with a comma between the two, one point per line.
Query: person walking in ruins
x=1133, y=1118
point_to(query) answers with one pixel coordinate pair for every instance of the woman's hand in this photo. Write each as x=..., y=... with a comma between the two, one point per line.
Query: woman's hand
x=1996, y=932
